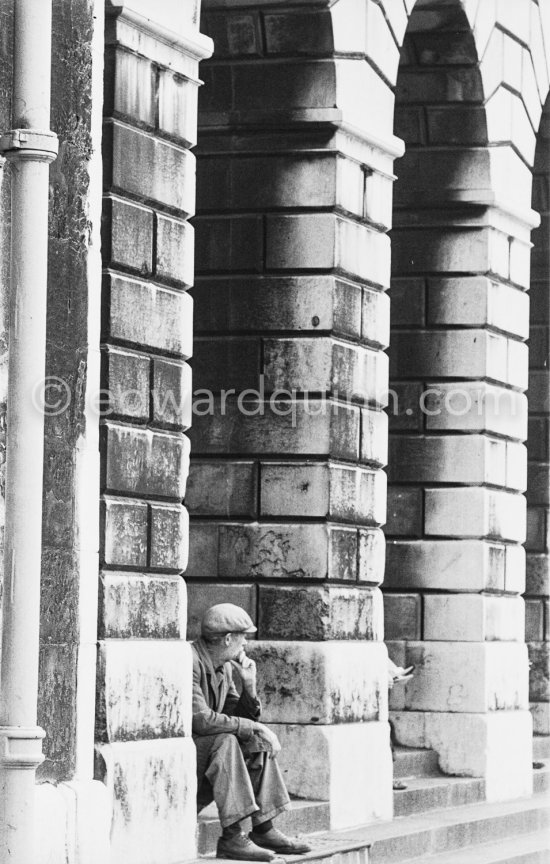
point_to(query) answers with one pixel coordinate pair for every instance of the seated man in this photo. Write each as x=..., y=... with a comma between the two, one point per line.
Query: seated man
x=236, y=764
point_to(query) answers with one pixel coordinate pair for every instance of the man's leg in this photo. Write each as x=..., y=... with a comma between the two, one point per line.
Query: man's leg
x=272, y=798
x=221, y=762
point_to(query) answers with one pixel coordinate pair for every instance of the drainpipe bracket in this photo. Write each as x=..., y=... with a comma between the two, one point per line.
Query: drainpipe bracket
x=38, y=144
x=21, y=746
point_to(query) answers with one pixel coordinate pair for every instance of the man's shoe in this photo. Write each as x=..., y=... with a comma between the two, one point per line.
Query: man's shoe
x=239, y=847
x=279, y=842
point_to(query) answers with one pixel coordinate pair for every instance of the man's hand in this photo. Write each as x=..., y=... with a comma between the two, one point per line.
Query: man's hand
x=246, y=667
x=269, y=738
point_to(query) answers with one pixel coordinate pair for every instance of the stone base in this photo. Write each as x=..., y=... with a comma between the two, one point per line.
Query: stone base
x=152, y=787
x=496, y=746
x=349, y=765
x=72, y=823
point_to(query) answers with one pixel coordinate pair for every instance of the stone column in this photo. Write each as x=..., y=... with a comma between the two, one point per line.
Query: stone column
x=537, y=593
x=286, y=490
x=145, y=753
x=457, y=466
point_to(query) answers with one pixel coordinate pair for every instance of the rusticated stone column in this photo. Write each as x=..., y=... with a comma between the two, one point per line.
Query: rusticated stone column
x=458, y=363
x=537, y=592
x=145, y=753
x=287, y=490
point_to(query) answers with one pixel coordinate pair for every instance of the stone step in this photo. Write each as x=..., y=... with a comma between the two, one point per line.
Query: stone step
x=304, y=817
x=412, y=762
x=428, y=836
x=541, y=778
x=525, y=849
x=541, y=747
x=436, y=793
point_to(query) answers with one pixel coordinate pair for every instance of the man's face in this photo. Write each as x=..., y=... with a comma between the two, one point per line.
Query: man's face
x=236, y=645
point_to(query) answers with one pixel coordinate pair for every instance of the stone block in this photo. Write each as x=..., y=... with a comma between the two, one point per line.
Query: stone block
x=467, y=676
x=229, y=243
x=342, y=561
x=406, y=407
x=57, y=710
x=537, y=439
x=149, y=316
x=402, y=616
x=475, y=745
x=285, y=551
x=273, y=551
x=459, y=354
x=267, y=303
x=476, y=301
x=303, y=242
x=534, y=620
x=177, y=107
x=150, y=168
x=269, y=182
x=540, y=712
x=127, y=235
x=454, y=124
x=175, y=250
x=472, y=459
x=132, y=94
x=203, y=551
x=408, y=301
x=537, y=529
x=430, y=250
x=404, y=512
x=460, y=565
x=348, y=765
x=143, y=690
x=318, y=613
x=234, y=33
x=375, y=317
x=475, y=406
x=296, y=32
x=274, y=86
x=168, y=545
x=473, y=618
x=539, y=675
x=538, y=574
x=283, y=427
x=124, y=536
x=374, y=437
x=323, y=490
x=372, y=556
x=128, y=385
x=136, y=606
x=322, y=682
x=152, y=786
x=222, y=364
x=172, y=393
x=475, y=512
x=144, y=462
x=202, y=595
x=226, y=489
x=538, y=483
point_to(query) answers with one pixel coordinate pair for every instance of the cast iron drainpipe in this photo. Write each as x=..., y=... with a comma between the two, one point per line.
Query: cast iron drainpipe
x=30, y=146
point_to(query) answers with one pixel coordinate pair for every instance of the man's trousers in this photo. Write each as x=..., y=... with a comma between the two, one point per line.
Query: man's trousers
x=240, y=777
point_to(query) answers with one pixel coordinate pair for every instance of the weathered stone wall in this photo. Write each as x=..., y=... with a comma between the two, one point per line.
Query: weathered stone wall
x=537, y=591
x=145, y=753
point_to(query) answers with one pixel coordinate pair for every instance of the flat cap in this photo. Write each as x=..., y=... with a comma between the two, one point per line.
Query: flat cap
x=226, y=618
